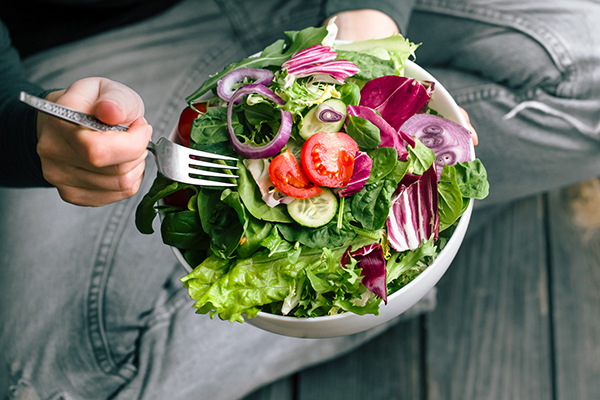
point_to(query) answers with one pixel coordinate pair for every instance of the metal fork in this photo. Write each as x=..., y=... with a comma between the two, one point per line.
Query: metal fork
x=174, y=161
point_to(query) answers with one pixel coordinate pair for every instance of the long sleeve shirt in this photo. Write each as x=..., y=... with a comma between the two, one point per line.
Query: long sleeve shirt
x=23, y=33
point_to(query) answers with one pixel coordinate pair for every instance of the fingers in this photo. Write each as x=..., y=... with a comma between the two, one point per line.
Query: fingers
x=474, y=136
x=95, y=168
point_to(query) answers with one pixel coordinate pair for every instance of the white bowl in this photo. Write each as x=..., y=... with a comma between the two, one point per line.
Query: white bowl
x=398, y=302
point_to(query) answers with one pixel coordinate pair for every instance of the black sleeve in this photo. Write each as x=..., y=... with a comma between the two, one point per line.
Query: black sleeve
x=19, y=163
x=398, y=10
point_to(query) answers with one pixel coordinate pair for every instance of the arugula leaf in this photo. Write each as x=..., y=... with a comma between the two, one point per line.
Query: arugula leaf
x=272, y=56
x=211, y=127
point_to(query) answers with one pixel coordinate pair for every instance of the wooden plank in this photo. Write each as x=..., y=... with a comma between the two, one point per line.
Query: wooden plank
x=489, y=336
x=388, y=367
x=575, y=277
x=282, y=389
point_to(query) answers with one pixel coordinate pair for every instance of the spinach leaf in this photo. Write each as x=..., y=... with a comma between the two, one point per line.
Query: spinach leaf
x=211, y=127
x=183, y=230
x=472, y=179
x=372, y=204
x=421, y=157
x=364, y=132
x=350, y=94
x=450, y=200
x=384, y=162
x=256, y=231
x=325, y=236
x=252, y=199
x=146, y=211
x=220, y=221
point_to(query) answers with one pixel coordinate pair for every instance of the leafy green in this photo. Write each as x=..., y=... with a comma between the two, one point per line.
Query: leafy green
x=328, y=235
x=450, y=200
x=146, y=211
x=372, y=204
x=220, y=220
x=364, y=132
x=350, y=94
x=252, y=199
x=421, y=157
x=472, y=179
x=183, y=230
x=385, y=160
x=370, y=66
x=211, y=127
x=272, y=56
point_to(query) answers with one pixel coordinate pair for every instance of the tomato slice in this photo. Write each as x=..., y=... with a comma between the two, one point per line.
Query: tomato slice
x=287, y=176
x=187, y=117
x=328, y=158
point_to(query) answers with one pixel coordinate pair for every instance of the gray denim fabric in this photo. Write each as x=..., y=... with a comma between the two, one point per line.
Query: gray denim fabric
x=92, y=309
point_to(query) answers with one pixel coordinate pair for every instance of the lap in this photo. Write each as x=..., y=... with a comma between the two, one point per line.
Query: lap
x=526, y=71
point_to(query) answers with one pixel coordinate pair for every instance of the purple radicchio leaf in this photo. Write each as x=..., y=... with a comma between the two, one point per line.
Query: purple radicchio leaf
x=414, y=217
x=362, y=169
x=396, y=98
x=389, y=136
x=370, y=260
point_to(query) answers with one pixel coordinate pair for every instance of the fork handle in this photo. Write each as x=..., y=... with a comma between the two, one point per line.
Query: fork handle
x=68, y=114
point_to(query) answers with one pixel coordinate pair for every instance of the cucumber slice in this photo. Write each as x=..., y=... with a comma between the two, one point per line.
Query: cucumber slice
x=315, y=211
x=310, y=123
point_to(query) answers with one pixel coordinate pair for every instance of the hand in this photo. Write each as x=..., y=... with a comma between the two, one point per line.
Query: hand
x=363, y=25
x=372, y=24
x=92, y=168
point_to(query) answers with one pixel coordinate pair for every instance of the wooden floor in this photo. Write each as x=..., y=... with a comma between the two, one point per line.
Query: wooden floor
x=518, y=317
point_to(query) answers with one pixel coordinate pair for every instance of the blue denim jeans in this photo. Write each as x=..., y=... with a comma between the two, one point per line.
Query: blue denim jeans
x=91, y=309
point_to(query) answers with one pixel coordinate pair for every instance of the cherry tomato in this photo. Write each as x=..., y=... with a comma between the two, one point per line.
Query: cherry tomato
x=187, y=117
x=328, y=158
x=287, y=176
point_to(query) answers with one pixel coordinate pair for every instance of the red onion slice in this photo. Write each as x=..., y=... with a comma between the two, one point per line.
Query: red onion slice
x=327, y=114
x=283, y=134
x=450, y=142
x=260, y=76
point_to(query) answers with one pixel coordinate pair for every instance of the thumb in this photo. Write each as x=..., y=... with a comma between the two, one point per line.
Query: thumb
x=110, y=101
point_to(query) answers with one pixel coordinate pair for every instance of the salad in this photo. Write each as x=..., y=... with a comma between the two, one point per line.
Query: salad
x=348, y=184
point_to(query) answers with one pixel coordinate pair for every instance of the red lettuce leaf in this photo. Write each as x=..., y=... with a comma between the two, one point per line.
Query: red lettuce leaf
x=414, y=217
x=362, y=169
x=396, y=98
x=370, y=260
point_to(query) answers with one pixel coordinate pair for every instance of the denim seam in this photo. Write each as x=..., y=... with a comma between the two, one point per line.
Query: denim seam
x=101, y=265
x=548, y=40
